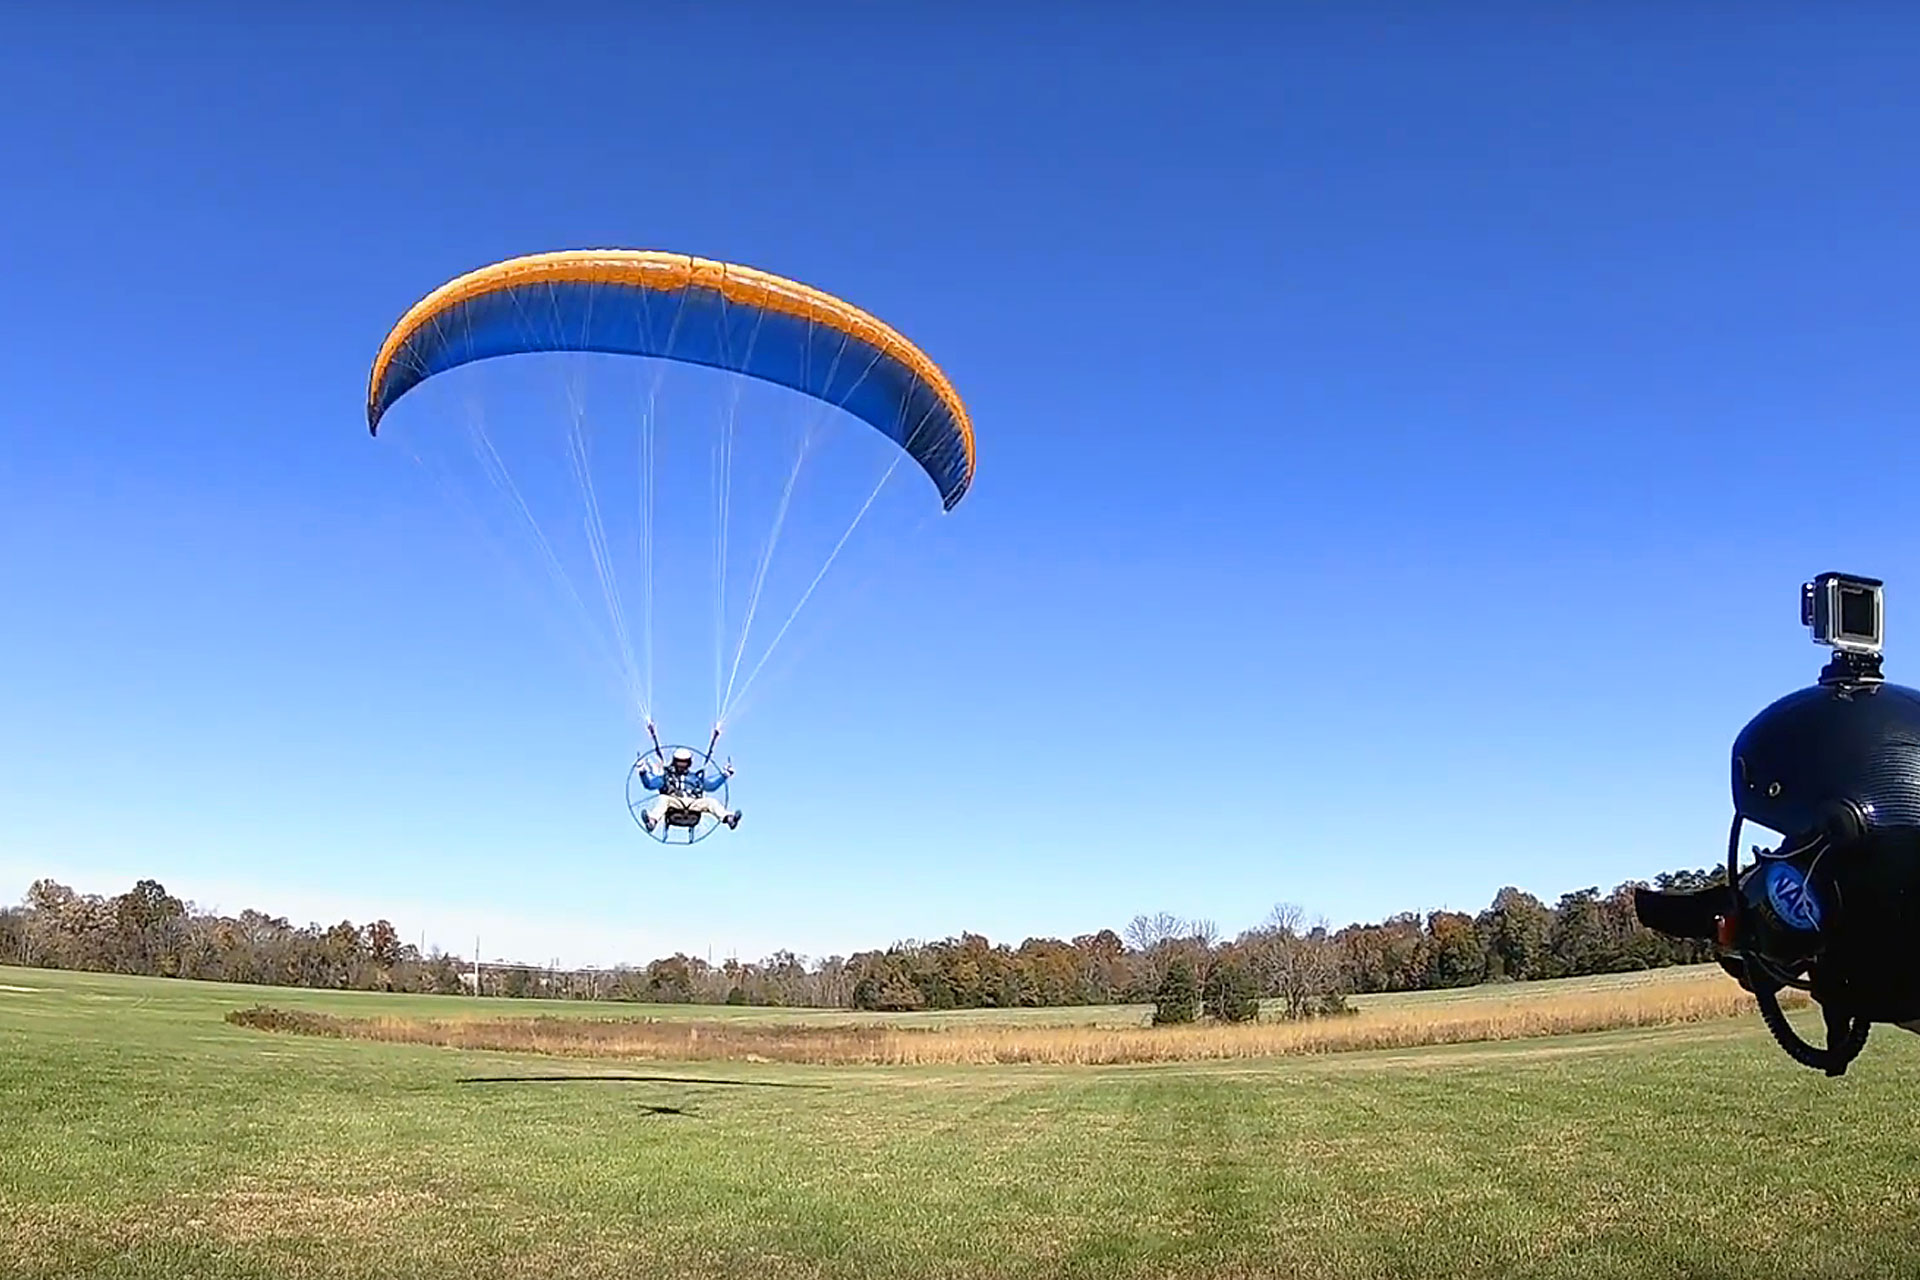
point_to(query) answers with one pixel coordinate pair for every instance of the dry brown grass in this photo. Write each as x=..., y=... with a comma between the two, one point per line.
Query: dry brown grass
x=1508, y=1013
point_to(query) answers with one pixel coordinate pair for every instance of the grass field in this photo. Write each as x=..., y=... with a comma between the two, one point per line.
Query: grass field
x=145, y=1136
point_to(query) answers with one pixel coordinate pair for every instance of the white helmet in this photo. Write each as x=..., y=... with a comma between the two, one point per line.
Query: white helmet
x=682, y=759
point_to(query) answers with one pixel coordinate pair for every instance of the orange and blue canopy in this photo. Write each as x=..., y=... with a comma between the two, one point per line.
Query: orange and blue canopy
x=674, y=307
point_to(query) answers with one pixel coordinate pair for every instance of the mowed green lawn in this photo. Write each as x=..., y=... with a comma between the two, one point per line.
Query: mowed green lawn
x=145, y=1137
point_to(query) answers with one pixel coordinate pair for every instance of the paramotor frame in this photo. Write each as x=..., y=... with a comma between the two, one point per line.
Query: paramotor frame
x=639, y=798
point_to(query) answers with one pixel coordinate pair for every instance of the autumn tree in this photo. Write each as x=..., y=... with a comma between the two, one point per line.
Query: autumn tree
x=382, y=946
x=1517, y=930
x=147, y=929
x=670, y=981
x=1456, y=954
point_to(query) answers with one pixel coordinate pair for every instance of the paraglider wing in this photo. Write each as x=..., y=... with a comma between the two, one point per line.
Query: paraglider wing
x=675, y=307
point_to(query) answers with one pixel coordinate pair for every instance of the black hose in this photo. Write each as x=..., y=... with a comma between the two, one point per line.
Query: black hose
x=1835, y=1058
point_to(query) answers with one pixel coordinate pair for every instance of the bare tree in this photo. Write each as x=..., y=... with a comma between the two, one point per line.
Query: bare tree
x=1157, y=939
x=1287, y=917
x=1293, y=962
x=1144, y=933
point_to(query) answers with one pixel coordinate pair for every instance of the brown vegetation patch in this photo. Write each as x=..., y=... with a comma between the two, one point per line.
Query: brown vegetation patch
x=1505, y=1015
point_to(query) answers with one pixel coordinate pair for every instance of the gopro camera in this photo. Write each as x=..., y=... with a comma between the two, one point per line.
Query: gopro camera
x=1844, y=612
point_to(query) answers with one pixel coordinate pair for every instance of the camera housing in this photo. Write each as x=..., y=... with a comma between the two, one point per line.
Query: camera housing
x=1844, y=612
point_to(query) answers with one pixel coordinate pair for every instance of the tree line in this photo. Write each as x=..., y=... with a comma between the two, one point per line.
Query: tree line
x=1299, y=968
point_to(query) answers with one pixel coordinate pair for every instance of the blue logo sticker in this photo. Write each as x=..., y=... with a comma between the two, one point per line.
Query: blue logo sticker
x=1792, y=898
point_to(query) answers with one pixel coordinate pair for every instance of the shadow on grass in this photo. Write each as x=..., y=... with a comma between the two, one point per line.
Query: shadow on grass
x=634, y=1079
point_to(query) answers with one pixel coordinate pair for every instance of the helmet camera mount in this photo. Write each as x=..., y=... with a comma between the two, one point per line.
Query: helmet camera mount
x=1847, y=614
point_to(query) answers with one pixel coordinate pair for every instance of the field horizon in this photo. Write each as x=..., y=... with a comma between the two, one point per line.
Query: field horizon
x=18, y=979
x=1096, y=1035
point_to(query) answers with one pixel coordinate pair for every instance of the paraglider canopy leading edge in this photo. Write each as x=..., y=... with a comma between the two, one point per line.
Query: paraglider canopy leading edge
x=675, y=307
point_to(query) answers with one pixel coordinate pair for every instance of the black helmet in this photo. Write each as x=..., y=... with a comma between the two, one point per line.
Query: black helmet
x=1833, y=754
x=1834, y=910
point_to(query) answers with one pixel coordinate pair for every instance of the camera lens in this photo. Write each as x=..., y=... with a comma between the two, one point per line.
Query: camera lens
x=1856, y=613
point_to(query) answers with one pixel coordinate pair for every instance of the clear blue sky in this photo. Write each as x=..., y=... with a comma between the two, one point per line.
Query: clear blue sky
x=1551, y=350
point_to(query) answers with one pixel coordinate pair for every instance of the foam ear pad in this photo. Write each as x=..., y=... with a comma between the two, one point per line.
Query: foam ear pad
x=1843, y=821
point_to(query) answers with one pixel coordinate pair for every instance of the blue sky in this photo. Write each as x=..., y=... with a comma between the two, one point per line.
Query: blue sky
x=1402, y=437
